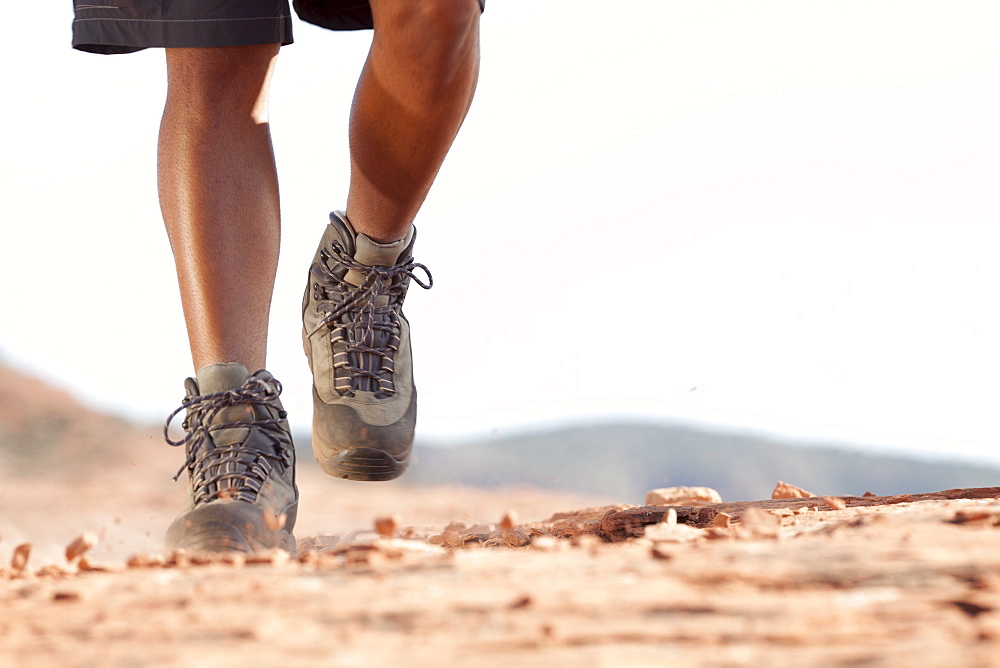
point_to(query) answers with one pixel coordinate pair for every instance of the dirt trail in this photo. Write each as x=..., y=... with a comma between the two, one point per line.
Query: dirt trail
x=859, y=581
x=884, y=582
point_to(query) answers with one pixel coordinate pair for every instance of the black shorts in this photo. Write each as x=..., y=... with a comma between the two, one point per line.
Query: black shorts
x=124, y=26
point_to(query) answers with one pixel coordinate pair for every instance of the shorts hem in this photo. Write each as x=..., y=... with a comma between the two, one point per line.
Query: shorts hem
x=111, y=36
x=340, y=15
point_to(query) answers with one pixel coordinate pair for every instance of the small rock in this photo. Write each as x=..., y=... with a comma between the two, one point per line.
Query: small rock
x=972, y=608
x=723, y=521
x=682, y=496
x=275, y=556
x=386, y=526
x=310, y=557
x=586, y=514
x=524, y=601
x=80, y=545
x=515, y=538
x=51, y=571
x=973, y=517
x=508, y=521
x=835, y=502
x=448, y=539
x=400, y=548
x=19, y=560
x=476, y=539
x=233, y=559
x=66, y=596
x=659, y=552
x=785, y=491
x=84, y=565
x=545, y=543
x=672, y=533
x=760, y=523
x=569, y=528
x=586, y=541
x=179, y=559
x=143, y=561
x=205, y=558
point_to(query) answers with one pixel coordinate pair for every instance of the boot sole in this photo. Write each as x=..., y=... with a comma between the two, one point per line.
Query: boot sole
x=363, y=464
x=227, y=534
x=231, y=540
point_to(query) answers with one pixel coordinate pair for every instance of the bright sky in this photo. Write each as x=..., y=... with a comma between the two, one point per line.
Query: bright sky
x=773, y=215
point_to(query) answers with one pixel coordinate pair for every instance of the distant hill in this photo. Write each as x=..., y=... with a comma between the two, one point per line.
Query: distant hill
x=45, y=430
x=623, y=461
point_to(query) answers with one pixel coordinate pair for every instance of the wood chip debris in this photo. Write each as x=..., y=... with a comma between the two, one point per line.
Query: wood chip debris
x=19, y=560
x=387, y=526
x=80, y=545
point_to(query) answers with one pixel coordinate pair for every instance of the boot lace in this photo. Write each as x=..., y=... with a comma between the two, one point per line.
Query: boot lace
x=361, y=320
x=231, y=471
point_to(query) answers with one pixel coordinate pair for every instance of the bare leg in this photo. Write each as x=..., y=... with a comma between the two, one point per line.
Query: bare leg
x=219, y=197
x=412, y=97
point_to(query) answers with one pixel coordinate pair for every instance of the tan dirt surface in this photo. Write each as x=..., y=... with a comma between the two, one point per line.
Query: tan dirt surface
x=893, y=582
x=510, y=577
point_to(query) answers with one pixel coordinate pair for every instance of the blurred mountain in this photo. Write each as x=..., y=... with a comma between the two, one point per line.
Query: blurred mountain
x=44, y=429
x=623, y=461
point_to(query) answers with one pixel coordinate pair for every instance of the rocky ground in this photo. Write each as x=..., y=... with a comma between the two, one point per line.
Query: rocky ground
x=473, y=577
x=462, y=581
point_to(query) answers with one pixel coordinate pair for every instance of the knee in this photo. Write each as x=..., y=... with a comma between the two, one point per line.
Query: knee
x=233, y=78
x=442, y=26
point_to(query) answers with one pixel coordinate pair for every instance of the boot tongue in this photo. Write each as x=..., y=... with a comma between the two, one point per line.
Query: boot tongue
x=373, y=253
x=220, y=378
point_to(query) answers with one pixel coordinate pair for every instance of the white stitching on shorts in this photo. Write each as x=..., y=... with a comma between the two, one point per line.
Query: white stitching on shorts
x=249, y=18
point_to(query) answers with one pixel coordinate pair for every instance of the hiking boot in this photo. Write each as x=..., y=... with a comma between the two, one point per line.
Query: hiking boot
x=358, y=344
x=240, y=463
